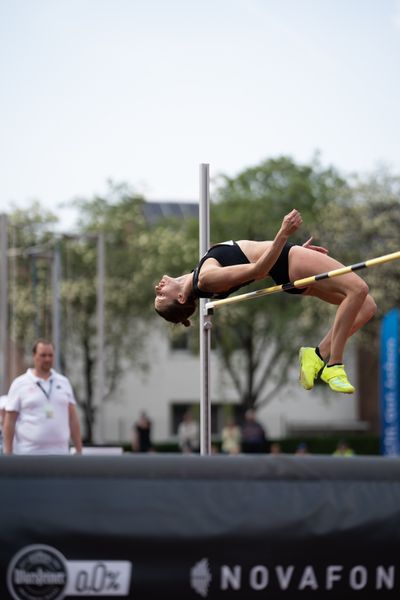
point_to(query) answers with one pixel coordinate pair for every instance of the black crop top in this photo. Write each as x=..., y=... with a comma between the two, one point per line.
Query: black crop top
x=227, y=254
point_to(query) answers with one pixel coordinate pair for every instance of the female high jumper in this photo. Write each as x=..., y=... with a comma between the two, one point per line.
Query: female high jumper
x=228, y=266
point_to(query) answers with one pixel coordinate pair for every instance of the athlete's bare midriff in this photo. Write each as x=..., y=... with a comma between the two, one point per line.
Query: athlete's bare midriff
x=253, y=250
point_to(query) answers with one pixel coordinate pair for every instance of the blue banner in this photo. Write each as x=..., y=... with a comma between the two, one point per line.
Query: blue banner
x=390, y=383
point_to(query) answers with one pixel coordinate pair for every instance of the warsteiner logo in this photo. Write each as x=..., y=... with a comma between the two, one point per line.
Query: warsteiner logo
x=200, y=577
x=37, y=572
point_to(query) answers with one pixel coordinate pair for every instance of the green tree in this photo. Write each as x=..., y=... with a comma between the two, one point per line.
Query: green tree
x=363, y=224
x=378, y=204
x=136, y=256
x=119, y=216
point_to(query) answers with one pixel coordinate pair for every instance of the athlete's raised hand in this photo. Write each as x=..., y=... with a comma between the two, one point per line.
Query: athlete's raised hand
x=291, y=222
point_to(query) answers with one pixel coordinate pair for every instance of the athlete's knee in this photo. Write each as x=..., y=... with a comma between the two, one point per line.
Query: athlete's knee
x=361, y=290
x=370, y=307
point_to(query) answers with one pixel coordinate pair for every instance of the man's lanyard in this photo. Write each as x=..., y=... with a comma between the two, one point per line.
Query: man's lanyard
x=47, y=393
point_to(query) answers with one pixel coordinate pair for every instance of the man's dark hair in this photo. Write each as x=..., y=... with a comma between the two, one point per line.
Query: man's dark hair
x=41, y=341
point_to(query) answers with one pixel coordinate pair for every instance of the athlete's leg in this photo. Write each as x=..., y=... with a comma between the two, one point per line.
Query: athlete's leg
x=348, y=291
x=310, y=362
x=366, y=312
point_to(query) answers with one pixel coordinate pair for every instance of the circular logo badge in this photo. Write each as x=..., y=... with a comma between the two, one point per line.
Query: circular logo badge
x=37, y=572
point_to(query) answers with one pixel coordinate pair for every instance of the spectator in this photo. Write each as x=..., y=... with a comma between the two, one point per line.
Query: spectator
x=275, y=448
x=41, y=412
x=142, y=434
x=188, y=433
x=302, y=448
x=343, y=449
x=231, y=437
x=254, y=438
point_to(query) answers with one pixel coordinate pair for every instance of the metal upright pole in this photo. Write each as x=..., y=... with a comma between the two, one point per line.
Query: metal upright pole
x=3, y=303
x=100, y=330
x=205, y=320
x=34, y=276
x=56, y=279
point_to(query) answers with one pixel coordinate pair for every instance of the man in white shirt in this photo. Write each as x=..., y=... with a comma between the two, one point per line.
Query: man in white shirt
x=41, y=415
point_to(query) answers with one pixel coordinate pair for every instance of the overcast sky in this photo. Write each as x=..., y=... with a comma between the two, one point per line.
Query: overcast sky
x=142, y=91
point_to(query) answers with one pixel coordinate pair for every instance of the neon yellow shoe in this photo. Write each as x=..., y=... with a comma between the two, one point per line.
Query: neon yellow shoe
x=337, y=380
x=310, y=366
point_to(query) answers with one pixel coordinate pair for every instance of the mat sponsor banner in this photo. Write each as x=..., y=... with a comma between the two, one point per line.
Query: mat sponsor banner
x=41, y=571
x=276, y=527
x=390, y=383
x=284, y=580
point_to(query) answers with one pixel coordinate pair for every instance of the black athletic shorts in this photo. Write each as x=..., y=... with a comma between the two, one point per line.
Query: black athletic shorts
x=280, y=270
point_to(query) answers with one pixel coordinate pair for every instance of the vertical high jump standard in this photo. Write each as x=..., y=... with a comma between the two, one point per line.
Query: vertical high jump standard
x=205, y=320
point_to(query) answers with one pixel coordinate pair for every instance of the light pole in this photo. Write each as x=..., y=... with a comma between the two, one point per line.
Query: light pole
x=100, y=330
x=56, y=305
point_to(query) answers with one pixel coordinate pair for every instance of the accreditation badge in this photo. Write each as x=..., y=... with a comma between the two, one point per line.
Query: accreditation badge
x=48, y=411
